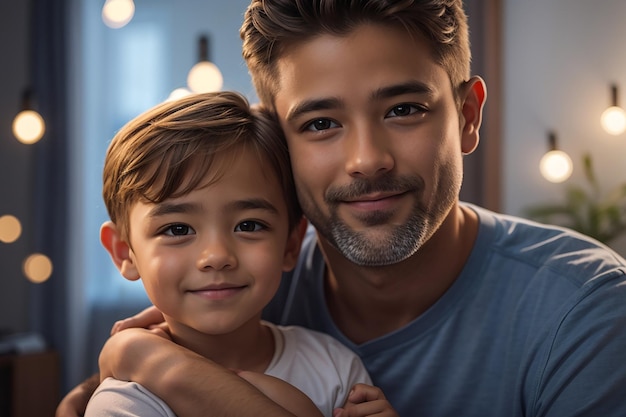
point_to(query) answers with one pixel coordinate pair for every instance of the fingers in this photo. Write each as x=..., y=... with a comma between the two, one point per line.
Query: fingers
x=361, y=393
x=145, y=318
x=366, y=400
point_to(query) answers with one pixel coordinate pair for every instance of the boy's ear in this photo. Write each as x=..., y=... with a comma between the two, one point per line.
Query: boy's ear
x=119, y=250
x=474, y=94
x=294, y=242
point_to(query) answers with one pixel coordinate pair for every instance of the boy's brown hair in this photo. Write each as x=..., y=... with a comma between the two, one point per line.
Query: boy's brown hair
x=270, y=27
x=167, y=151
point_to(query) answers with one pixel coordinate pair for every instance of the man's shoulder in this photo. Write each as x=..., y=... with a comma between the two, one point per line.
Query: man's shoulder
x=549, y=248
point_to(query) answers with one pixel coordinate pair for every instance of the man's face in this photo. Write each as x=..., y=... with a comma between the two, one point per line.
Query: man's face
x=374, y=136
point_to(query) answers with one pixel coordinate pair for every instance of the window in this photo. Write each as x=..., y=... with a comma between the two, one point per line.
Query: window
x=115, y=74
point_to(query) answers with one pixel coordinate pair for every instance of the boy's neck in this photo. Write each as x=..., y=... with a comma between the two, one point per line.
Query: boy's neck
x=250, y=347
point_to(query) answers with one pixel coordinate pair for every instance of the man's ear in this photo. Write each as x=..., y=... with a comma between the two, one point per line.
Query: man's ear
x=119, y=250
x=294, y=242
x=474, y=94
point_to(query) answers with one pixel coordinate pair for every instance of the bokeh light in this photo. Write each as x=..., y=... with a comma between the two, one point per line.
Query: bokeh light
x=28, y=126
x=37, y=268
x=117, y=13
x=10, y=229
x=556, y=166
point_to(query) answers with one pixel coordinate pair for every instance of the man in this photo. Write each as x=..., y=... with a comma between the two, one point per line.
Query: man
x=455, y=311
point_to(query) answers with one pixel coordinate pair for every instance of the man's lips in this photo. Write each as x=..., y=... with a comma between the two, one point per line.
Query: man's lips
x=377, y=201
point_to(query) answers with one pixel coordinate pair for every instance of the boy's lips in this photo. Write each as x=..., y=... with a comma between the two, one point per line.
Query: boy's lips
x=218, y=292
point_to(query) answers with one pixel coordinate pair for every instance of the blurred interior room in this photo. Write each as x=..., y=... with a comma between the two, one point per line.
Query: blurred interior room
x=552, y=68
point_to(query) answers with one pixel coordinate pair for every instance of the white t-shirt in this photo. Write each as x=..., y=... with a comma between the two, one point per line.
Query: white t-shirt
x=315, y=363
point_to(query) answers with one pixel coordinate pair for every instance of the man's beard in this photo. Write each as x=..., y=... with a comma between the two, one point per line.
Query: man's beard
x=398, y=242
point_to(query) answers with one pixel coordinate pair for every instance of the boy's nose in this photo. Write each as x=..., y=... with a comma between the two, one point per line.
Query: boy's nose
x=217, y=254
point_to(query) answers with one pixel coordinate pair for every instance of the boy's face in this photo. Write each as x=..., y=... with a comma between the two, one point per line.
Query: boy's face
x=212, y=259
x=375, y=140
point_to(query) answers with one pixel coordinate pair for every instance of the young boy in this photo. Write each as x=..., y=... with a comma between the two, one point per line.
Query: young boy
x=204, y=211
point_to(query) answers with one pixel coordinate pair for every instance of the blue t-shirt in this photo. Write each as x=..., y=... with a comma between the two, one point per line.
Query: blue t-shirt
x=535, y=325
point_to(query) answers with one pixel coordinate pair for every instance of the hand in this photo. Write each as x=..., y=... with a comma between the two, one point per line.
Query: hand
x=282, y=393
x=149, y=318
x=366, y=400
x=75, y=402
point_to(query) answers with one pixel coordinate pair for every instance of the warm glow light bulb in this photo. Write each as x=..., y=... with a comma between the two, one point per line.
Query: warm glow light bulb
x=10, y=229
x=178, y=93
x=28, y=126
x=37, y=268
x=613, y=120
x=204, y=77
x=556, y=166
x=117, y=13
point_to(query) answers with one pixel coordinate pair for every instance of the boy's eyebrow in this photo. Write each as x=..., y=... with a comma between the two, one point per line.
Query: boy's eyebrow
x=166, y=208
x=306, y=106
x=252, y=204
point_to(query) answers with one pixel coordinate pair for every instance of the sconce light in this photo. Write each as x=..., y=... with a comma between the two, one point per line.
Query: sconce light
x=204, y=76
x=613, y=119
x=117, y=13
x=28, y=125
x=555, y=166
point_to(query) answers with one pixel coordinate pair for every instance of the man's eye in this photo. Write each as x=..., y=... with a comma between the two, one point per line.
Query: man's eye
x=178, y=230
x=249, y=226
x=320, y=124
x=404, y=110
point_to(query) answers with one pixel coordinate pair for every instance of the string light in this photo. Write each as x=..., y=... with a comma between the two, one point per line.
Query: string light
x=117, y=13
x=613, y=119
x=555, y=166
x=28, y=125
x=204, y=76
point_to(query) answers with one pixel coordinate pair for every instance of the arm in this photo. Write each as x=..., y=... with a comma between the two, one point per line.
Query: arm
x=75, y=402
x=283, y=393
x=366, y=400
x=189, y=383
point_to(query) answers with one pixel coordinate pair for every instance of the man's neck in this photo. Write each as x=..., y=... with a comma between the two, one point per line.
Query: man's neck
x=369, y=302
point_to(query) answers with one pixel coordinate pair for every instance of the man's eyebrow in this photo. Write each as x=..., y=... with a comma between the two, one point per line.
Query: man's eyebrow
x=312, y=105
x=411, y=87
x=252, y=204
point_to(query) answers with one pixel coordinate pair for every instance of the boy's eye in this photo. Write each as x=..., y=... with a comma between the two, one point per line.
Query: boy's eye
x=249, y=226
x=320, y=124
x=178, y=230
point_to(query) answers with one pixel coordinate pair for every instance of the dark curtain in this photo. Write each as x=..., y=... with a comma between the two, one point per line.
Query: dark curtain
x=48, y=304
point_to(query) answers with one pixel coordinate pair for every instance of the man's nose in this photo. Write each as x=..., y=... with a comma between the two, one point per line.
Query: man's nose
x=368, y=151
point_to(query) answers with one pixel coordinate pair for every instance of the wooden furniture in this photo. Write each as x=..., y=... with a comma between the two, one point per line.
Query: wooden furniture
x=29, y=384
